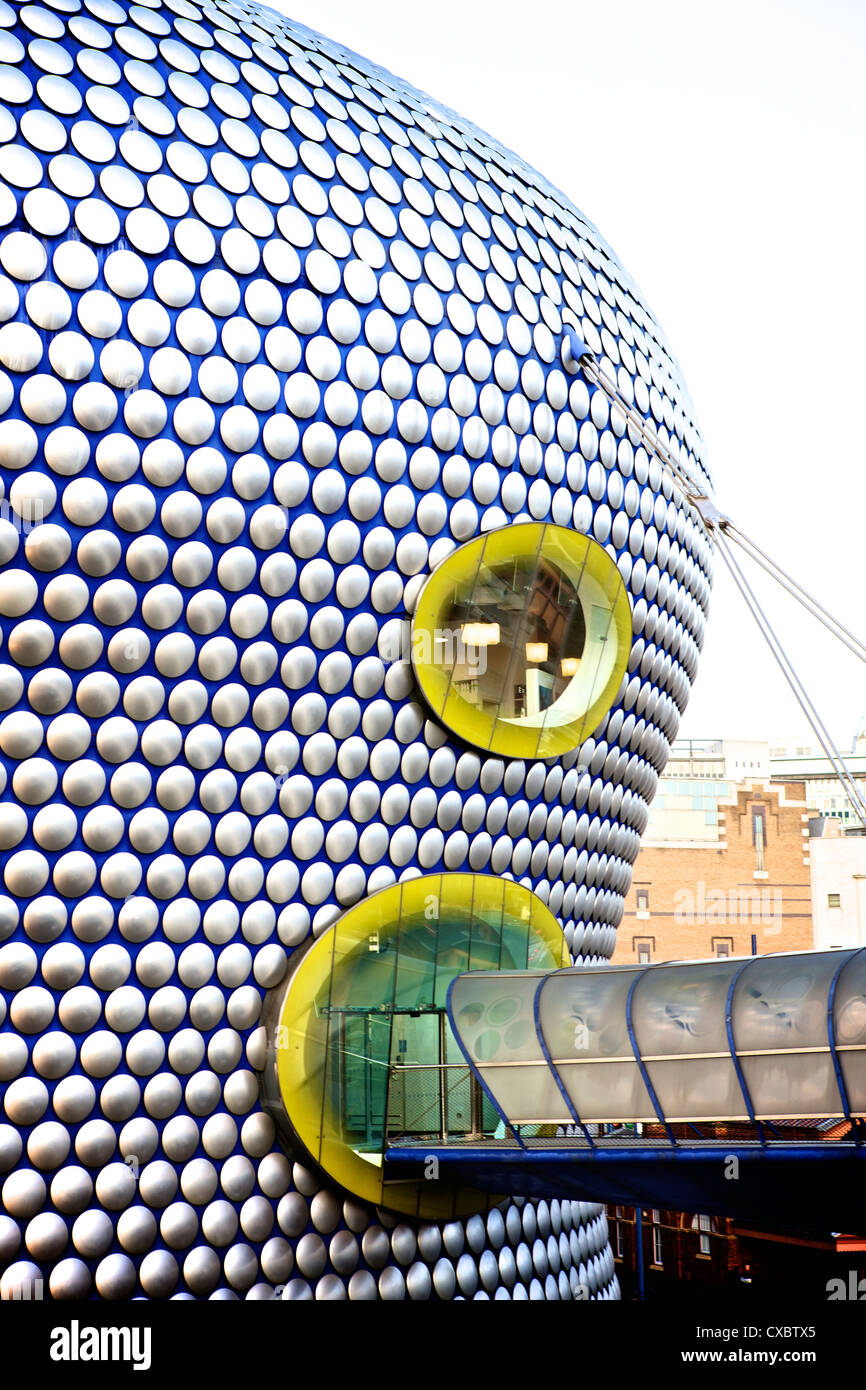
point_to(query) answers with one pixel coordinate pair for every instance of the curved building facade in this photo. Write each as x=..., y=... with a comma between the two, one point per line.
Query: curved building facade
x=323, y=570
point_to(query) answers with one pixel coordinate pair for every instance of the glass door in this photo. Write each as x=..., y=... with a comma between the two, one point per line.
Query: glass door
x=362, y=1076
x=415, y=1105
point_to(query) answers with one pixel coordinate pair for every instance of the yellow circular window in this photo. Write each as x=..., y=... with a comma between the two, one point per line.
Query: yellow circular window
x=360, y=1052
x=521, y=638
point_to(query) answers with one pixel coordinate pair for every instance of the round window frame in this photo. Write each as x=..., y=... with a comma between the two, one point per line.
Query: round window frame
x=501, y=735
x=297, y=1039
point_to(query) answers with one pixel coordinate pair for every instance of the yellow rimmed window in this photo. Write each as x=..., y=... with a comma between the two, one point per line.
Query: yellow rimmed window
x=359, y=1045
x=521, y=638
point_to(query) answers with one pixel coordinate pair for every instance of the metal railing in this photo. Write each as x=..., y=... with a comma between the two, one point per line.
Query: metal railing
x=433, y=1100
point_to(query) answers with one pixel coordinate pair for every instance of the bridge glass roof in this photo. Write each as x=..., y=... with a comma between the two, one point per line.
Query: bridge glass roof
x=765, y=1038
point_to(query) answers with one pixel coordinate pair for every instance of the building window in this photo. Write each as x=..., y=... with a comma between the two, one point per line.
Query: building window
x=341, y=1113
x=723, y=946
x=657, y=1238
x=705, y=1225
x=833, y=900
x=521, y=640
x=620, y=1240
x=642, y=902
x=759, y=836
x=644, y=949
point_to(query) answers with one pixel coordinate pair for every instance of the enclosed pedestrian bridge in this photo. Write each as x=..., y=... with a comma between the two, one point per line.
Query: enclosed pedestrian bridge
x=433, y=1045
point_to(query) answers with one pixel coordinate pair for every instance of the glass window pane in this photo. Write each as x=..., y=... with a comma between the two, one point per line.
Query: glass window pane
x=520, y=639
x=853, y=1067
x=527, y=1095
x=781, y=1002
x=803, y=1084
x=607, y=1091
x=582, y=1014
x=493, y=1017
x=849, y=1003
x=681, y=1009
x=849, y=1022
x=707, y=1089
x=360, y=1045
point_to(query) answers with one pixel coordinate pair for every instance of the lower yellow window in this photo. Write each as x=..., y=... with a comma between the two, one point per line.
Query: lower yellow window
x=361, y=1053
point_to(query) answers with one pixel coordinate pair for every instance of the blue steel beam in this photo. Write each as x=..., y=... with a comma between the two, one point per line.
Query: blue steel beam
x=539, y=1033
x=629, y=1023
x=800, y=1185
x=512, y=1129
x=729, y=1029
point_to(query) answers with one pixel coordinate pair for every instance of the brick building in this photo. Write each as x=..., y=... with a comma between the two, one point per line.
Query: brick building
x=687, y=1256
x=683, y=1254
x=727, y=855
x=731, y=864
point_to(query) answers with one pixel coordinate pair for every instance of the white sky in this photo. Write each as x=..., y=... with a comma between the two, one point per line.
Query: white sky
x=720, y=149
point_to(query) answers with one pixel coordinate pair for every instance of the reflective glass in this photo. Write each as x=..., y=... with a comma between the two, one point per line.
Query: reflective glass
x=681, y=1009
x=521, y=638
x=781, y=1002
x=582, y=1018
x=849, y=1003
x=849, y=1022
x=708, y=1089
x=800, y=1084
x=492, y=1016
x=607, y=1092
x=360, y=1046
